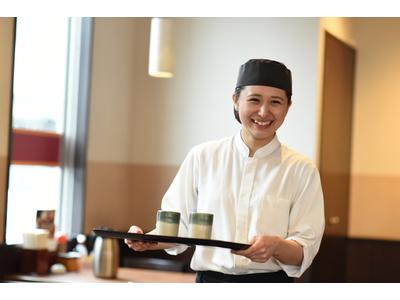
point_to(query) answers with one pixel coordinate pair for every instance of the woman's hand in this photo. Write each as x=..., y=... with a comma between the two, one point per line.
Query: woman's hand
x=140, y=245
x=262, y=248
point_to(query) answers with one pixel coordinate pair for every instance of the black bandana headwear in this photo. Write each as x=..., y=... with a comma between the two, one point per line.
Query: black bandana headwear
x=265, y=72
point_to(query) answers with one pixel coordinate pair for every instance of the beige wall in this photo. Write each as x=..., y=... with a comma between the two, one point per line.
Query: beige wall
x=142, y=123
x=376, y=120
x=117, y=52
x=6, y=57
x=115, y=195
x=375, y=170
x=375, y=194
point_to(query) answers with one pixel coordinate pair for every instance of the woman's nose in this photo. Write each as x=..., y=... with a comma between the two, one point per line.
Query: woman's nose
x=264, y=110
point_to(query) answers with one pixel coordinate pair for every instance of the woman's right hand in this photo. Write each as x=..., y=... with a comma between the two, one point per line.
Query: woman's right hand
x=140, y=245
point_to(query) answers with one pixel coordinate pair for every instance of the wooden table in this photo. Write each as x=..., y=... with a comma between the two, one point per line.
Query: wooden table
x=85, y=274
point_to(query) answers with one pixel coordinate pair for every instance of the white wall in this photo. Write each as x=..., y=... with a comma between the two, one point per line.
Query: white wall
x=156, y=121
x=141, y=119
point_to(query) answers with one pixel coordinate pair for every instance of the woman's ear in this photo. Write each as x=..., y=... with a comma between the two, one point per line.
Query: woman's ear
x=234, y=100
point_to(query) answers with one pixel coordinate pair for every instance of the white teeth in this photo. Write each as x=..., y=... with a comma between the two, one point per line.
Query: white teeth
x=263, y=123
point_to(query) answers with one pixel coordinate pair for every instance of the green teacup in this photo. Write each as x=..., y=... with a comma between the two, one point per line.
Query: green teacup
x=200, y=225
x=168, y=222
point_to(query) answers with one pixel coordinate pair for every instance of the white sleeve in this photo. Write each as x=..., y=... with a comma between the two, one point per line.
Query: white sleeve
x=181, y=196
x=306, y=222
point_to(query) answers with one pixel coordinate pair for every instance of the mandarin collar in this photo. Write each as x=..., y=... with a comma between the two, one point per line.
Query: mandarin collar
x=261, y=152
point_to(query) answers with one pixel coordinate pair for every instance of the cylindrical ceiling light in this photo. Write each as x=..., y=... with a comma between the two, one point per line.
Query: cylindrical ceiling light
x=160, y=53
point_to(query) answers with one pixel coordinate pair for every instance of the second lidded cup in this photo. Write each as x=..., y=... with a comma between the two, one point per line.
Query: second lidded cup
x=200, y=225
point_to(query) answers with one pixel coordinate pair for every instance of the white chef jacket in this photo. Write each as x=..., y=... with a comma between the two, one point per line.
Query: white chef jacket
x=275, y=192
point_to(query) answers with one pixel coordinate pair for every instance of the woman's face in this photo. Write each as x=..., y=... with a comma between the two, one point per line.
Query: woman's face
x=262, y=110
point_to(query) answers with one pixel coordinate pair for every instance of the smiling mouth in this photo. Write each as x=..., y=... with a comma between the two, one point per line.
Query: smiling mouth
x=266, y=123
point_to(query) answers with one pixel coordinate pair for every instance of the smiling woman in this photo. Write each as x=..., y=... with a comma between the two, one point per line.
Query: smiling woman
x=267, y=195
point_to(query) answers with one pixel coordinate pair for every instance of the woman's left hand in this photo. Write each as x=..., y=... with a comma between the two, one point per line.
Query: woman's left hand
x=262, y=248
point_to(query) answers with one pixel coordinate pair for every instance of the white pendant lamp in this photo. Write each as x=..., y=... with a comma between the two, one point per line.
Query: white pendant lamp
x=160, y=53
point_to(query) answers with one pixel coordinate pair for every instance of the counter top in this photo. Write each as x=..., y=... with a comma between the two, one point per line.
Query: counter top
x=85, y=274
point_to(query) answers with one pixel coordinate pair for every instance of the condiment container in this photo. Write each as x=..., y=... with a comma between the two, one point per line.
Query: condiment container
x=36, y=239
x=70, y=260
x=200, y=225
x=168, y=222
x=106, y=257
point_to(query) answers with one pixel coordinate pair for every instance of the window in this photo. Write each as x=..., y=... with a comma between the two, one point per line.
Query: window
x=50, y=95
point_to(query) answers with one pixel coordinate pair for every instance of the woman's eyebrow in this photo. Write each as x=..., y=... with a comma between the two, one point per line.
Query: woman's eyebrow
x=254, y=95
x=277, y=97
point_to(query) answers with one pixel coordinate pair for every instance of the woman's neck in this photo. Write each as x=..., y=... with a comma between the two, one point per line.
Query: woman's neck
x=252, y=143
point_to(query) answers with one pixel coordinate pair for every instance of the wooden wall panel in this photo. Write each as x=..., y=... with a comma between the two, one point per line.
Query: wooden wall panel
x=119, y=195
x=361, y=260
x=373, y=261
x=336, y=133
x=335, y=157
x=7, y=29
x=3, y=173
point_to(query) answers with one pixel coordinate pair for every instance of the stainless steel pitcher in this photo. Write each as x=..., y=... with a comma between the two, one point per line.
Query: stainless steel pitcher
x=106, y=257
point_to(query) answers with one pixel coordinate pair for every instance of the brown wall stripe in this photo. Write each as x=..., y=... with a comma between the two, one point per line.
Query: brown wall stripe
x=119, y=195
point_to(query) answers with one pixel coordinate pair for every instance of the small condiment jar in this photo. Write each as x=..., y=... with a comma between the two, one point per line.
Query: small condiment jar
x=168, y=222
x=200, y=225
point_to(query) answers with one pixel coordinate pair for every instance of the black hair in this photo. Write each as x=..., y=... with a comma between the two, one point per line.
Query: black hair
x=237, y=94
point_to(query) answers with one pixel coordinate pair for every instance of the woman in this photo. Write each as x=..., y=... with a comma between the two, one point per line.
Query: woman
x=260, y=191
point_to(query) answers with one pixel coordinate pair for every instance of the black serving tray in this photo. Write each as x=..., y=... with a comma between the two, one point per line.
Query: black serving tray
x=168, y=239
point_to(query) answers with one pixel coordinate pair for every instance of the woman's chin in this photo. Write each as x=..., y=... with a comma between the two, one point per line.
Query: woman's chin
x=264, y=138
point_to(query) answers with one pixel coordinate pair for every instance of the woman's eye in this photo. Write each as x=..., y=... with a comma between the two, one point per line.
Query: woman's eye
x=254, y=100
x=276, y=102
